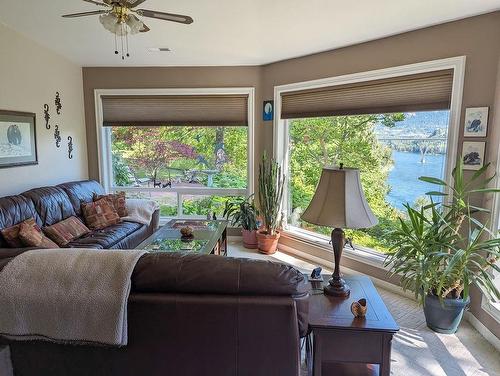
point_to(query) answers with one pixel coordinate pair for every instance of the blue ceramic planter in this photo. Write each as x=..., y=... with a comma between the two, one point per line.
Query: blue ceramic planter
x=445, y=316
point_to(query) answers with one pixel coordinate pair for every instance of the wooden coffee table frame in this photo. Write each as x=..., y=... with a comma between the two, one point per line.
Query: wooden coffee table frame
x=358, y=346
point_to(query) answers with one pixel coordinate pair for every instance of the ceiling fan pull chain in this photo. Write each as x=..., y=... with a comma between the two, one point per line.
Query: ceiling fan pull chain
x=116, y=45
x=121, y=37
x=126, y=38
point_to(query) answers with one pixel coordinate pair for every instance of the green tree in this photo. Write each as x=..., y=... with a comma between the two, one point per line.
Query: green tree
x=351, y=140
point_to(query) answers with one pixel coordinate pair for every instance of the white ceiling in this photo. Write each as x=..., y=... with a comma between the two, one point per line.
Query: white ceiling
x=230, y=32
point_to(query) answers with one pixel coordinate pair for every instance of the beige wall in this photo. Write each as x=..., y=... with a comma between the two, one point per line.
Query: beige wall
x=474, y=37
x=30, y=75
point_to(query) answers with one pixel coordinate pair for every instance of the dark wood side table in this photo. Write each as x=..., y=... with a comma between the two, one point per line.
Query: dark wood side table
x=344, y=345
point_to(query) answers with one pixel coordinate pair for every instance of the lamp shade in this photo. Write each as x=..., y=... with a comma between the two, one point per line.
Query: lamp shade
x=339, y=201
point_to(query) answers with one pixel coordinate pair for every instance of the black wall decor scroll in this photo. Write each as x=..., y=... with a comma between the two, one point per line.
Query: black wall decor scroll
x=70, y=147
x=58, y=103
x=46, y=115
x=57, y=136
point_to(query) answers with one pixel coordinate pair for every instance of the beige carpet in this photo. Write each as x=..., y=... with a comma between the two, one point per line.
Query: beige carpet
x=416, y=349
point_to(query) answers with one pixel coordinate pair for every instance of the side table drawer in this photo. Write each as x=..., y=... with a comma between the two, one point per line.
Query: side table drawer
x=349, y=345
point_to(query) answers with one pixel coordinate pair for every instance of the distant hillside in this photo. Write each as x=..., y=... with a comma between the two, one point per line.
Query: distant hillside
x=417, y=124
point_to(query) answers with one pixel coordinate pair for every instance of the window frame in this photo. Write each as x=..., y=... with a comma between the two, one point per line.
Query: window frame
x=489, y=306
x=104, y=143
x=281, y=133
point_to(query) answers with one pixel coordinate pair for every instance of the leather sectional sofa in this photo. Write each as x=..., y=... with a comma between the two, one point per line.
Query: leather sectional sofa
x=49, y=205
x=192, y=315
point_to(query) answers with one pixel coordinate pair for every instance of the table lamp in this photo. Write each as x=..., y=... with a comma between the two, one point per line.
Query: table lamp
x=339, y=202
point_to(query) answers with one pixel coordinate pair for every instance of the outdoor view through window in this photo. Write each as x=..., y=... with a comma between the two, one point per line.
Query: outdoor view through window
x=391, y=151
x=170, y=164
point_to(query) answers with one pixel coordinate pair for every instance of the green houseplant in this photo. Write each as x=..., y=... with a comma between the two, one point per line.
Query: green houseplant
x=242, y=212
x=444, y=247
x=271, y=180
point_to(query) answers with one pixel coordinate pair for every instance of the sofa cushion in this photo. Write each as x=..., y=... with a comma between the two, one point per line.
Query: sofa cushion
x=34, y=237
x=117, y=200
x=81, y=192
x=14, y=210
x=11, y=234
x=66, y=231
x=106, y=237
x=51, y=203
x=100, y=214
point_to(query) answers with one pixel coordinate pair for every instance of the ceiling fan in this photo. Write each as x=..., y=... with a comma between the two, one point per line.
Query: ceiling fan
x=120, y=18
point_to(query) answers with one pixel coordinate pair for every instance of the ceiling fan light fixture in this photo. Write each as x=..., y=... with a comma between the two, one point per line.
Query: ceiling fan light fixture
x=110, y=23
x=134, y=24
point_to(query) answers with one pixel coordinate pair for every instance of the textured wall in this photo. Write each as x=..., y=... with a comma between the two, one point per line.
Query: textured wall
x=30, y=75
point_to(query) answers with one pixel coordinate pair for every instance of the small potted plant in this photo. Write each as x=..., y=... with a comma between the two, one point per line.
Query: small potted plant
x=243, y=212
x=271, y=182
x=444, y=247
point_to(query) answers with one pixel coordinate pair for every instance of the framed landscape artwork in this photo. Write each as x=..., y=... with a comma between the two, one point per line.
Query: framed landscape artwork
x=473, y=155
x=476, y=122
x=17, y=139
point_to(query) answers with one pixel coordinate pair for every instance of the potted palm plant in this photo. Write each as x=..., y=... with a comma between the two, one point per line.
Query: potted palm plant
x=243, y=213
x=271, y=182
x=443, y=248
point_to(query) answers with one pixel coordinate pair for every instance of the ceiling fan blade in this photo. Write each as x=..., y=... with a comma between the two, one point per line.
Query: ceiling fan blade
x=144, y=29
x=97, y=3
x=83, y=14
x=165, y=16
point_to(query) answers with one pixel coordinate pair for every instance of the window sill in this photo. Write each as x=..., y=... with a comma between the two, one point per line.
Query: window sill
x=360, y=254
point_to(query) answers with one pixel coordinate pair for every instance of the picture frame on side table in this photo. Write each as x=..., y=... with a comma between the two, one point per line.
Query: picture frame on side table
x=17, y=139
x=473, y=154
x=476, y=121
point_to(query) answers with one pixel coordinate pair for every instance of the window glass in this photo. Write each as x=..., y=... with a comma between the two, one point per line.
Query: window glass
x=390, y=150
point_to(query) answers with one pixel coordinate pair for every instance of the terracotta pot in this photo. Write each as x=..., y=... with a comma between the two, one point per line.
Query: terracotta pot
x=267, y=244
x=249, y=238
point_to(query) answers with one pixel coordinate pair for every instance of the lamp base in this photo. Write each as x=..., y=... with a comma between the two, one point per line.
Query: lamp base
x=337, y=287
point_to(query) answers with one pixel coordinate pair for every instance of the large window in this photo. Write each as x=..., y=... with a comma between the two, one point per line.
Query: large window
x=188, y=149
x=394, y=125
x=391, y=151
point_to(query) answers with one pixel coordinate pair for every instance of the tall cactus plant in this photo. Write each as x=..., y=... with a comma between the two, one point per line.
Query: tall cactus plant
x=271, y=180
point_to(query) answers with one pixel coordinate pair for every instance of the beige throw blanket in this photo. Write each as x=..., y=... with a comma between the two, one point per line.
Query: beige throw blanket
x=67, y=296
x=140, y=210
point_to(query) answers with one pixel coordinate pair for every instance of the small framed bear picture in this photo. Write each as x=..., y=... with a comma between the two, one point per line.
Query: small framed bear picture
x=476, y=122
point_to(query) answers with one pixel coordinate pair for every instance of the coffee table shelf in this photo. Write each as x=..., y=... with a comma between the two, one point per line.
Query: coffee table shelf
x=209, y=237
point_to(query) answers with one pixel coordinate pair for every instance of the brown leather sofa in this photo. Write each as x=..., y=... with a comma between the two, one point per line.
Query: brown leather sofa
x=192, y=315
x=49, y=205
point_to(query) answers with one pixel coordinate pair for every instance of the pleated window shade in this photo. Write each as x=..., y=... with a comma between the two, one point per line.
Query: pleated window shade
x=158, y=110
x=419, y=92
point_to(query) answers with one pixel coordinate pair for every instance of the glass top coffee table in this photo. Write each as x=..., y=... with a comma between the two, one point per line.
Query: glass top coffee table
x=209, y=237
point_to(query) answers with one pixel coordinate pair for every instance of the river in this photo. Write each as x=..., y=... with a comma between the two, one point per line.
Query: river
x=403, y=178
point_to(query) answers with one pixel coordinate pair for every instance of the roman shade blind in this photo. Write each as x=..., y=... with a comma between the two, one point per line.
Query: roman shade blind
x=419, y=92
x=157, y=110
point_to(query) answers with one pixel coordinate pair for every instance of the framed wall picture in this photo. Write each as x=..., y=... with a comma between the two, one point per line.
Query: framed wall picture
x=17, y=139
x=476, y=122
x=473, y=154
x=268, y=110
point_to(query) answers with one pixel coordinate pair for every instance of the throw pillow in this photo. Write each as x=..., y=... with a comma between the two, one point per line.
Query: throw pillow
x=100, y=214
x=117, y=200
x=66, y=231
x=33, y=237
x=11, y=234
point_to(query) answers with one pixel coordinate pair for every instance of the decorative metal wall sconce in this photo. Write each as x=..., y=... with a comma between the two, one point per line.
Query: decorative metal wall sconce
x=57, y=136
x=46, y=115
x=58, y=104
x=70, y=147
